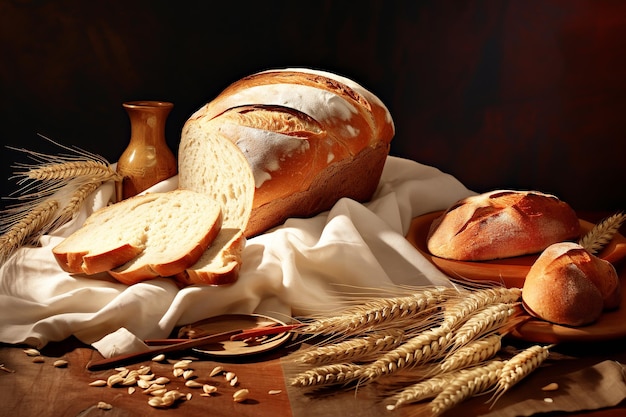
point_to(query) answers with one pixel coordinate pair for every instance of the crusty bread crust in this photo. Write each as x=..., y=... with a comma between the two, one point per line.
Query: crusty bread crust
x=501, y=224
x=569, y=286
x=299, y=130
x=345, y=179
x=299, y=141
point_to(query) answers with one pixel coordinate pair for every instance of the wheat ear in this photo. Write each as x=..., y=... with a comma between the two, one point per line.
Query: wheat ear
x=456, y=313
x=602, y=233
x=75, y=202
x=468, y=383
x=423, y=390
x=354, y=349
x=488, y=319
x=519, y=367
x=427, y=345
x=473, y=353
x=377, y=313
x=327, y=375
x=28, y=228
x=97, y=170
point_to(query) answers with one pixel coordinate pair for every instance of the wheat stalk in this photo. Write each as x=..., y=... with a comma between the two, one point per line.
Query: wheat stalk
x=95, y=169
x=28, y=228
x=328, y=374
x=75, y=202
x=473, y=353
x=488, y=319
x=519, y=367
x=420, y=391
x=468, y=383
x=460, y=311
x=602, y=233
x=51, y=191
x=354, y=349
x=379, y=312
x=415, y=351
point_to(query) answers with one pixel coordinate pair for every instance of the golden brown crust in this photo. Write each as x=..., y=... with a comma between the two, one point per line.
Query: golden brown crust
x=501, y=224
x=569, y=286
x=296, y=127
x=341, y=180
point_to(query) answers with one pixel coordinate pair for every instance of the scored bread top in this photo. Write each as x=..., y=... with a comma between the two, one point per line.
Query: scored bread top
x=293, y=126
x=158, y=234
x=501, y=224
x=568, y=285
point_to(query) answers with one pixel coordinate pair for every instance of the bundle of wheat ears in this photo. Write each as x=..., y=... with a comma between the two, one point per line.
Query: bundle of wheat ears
x=432, y=345
x=51, y=191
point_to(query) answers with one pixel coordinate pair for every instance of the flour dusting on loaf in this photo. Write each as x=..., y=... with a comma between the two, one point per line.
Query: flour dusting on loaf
x=309, y=138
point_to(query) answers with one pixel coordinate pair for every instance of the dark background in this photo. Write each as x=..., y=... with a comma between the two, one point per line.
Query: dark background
x=501, y=94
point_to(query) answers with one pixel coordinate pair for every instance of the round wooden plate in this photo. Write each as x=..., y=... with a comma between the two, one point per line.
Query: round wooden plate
x=229, y=322
x=511, y=272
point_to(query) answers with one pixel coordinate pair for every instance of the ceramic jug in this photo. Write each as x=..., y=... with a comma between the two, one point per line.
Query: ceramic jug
x=148, y=159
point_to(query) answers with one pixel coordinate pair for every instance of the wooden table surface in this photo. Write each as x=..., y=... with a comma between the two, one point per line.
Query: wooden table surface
x=43, y=390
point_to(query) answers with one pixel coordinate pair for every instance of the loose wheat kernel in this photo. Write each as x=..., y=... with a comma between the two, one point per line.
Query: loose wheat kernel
x=241, y=395
x=551, y=387
x=217, y=370
x=209, y=389
x=193, y=384
x=98, y=383
x=159, y=358
x=32, y=352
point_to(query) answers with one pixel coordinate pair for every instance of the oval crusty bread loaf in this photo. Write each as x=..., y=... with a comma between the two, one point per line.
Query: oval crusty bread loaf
x=501, y=224
x=158, y=234
x=567, y=285
x=309, y=138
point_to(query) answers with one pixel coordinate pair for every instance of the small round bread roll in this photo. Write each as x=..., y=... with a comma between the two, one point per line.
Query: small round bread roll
x=567, y=285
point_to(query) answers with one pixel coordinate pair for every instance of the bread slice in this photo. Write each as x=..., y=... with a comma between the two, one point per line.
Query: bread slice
x=157, y=234
x=219, y=264
x=216, y=167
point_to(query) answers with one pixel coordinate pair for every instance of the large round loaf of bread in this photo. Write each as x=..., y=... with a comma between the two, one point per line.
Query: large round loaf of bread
x=567, y=285
x=309, y=138
x=143, y=237
x=501, y=224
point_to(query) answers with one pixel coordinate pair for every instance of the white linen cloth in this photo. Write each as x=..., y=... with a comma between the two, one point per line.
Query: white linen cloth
x=294, y=269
